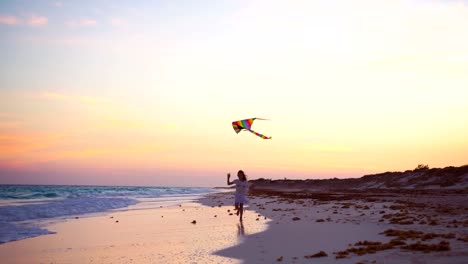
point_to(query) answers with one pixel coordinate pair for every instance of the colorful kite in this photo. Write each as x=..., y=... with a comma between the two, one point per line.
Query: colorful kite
x=247, y=124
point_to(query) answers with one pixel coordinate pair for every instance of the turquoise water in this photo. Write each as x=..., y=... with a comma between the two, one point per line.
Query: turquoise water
x=23, y=207
x=8, y=192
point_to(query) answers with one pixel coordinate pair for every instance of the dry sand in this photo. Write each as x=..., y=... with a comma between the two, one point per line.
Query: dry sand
x=276, y=229
x=349, y=226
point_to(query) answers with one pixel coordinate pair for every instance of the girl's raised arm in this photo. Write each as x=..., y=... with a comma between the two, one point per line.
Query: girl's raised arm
x=229, y=182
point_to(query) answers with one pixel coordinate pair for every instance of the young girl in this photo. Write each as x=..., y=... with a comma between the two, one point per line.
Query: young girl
x=242, y=187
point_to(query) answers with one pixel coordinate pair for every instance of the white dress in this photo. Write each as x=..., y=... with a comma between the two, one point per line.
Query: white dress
x=242, y=188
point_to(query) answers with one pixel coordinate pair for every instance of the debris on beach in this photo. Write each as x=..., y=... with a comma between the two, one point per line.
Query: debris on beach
x=279, y=259
x=317, y=255
x=194, y=222
x=371, y=247
x=364, y=247
x=411, y=234
x=418, y=246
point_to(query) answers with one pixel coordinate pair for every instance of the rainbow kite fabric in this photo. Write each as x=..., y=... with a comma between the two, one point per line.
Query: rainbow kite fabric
x=247, y=124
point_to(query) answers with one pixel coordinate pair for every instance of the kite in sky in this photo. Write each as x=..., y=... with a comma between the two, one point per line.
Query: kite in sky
x=247, y=124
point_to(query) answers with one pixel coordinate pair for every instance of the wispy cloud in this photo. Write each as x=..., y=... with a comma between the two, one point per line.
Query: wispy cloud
x=32, y=20
x=86, y=22
x=37, y=21
x=22, y=145
x=8, y=121
x=19, y=143
x=5, y=115
x=89, y=100
x=68, y=40
x=111, y=114
x=9, y=20
x=8, y=124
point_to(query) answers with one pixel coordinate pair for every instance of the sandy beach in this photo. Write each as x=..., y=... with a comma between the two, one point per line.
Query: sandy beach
x=356, y=227
x=162, y=235
x=285, y=227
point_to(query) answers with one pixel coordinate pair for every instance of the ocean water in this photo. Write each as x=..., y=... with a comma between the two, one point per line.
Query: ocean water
x=24, y=209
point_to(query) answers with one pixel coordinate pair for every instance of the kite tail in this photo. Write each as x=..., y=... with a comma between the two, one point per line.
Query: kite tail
x=260, y=135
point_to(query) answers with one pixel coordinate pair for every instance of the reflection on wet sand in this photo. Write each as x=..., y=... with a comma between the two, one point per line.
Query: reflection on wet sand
x=240, y=229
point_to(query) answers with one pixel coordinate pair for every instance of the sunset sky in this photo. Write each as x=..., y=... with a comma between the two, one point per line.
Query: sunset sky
x=144, y=92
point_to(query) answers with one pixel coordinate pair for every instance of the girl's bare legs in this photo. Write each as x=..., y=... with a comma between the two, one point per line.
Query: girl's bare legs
x=241, y=210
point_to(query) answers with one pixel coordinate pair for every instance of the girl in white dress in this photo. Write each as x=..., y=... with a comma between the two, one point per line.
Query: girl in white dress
x=242, y=188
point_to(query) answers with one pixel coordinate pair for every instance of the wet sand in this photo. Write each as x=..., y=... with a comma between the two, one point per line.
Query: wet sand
x=162, y=235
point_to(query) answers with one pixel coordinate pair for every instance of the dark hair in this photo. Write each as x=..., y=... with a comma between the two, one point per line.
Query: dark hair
x=243, y=176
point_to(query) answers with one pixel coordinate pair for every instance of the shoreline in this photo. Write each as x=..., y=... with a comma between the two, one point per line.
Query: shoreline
x=278, y=227
x=142, y=235
x=25, y=210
